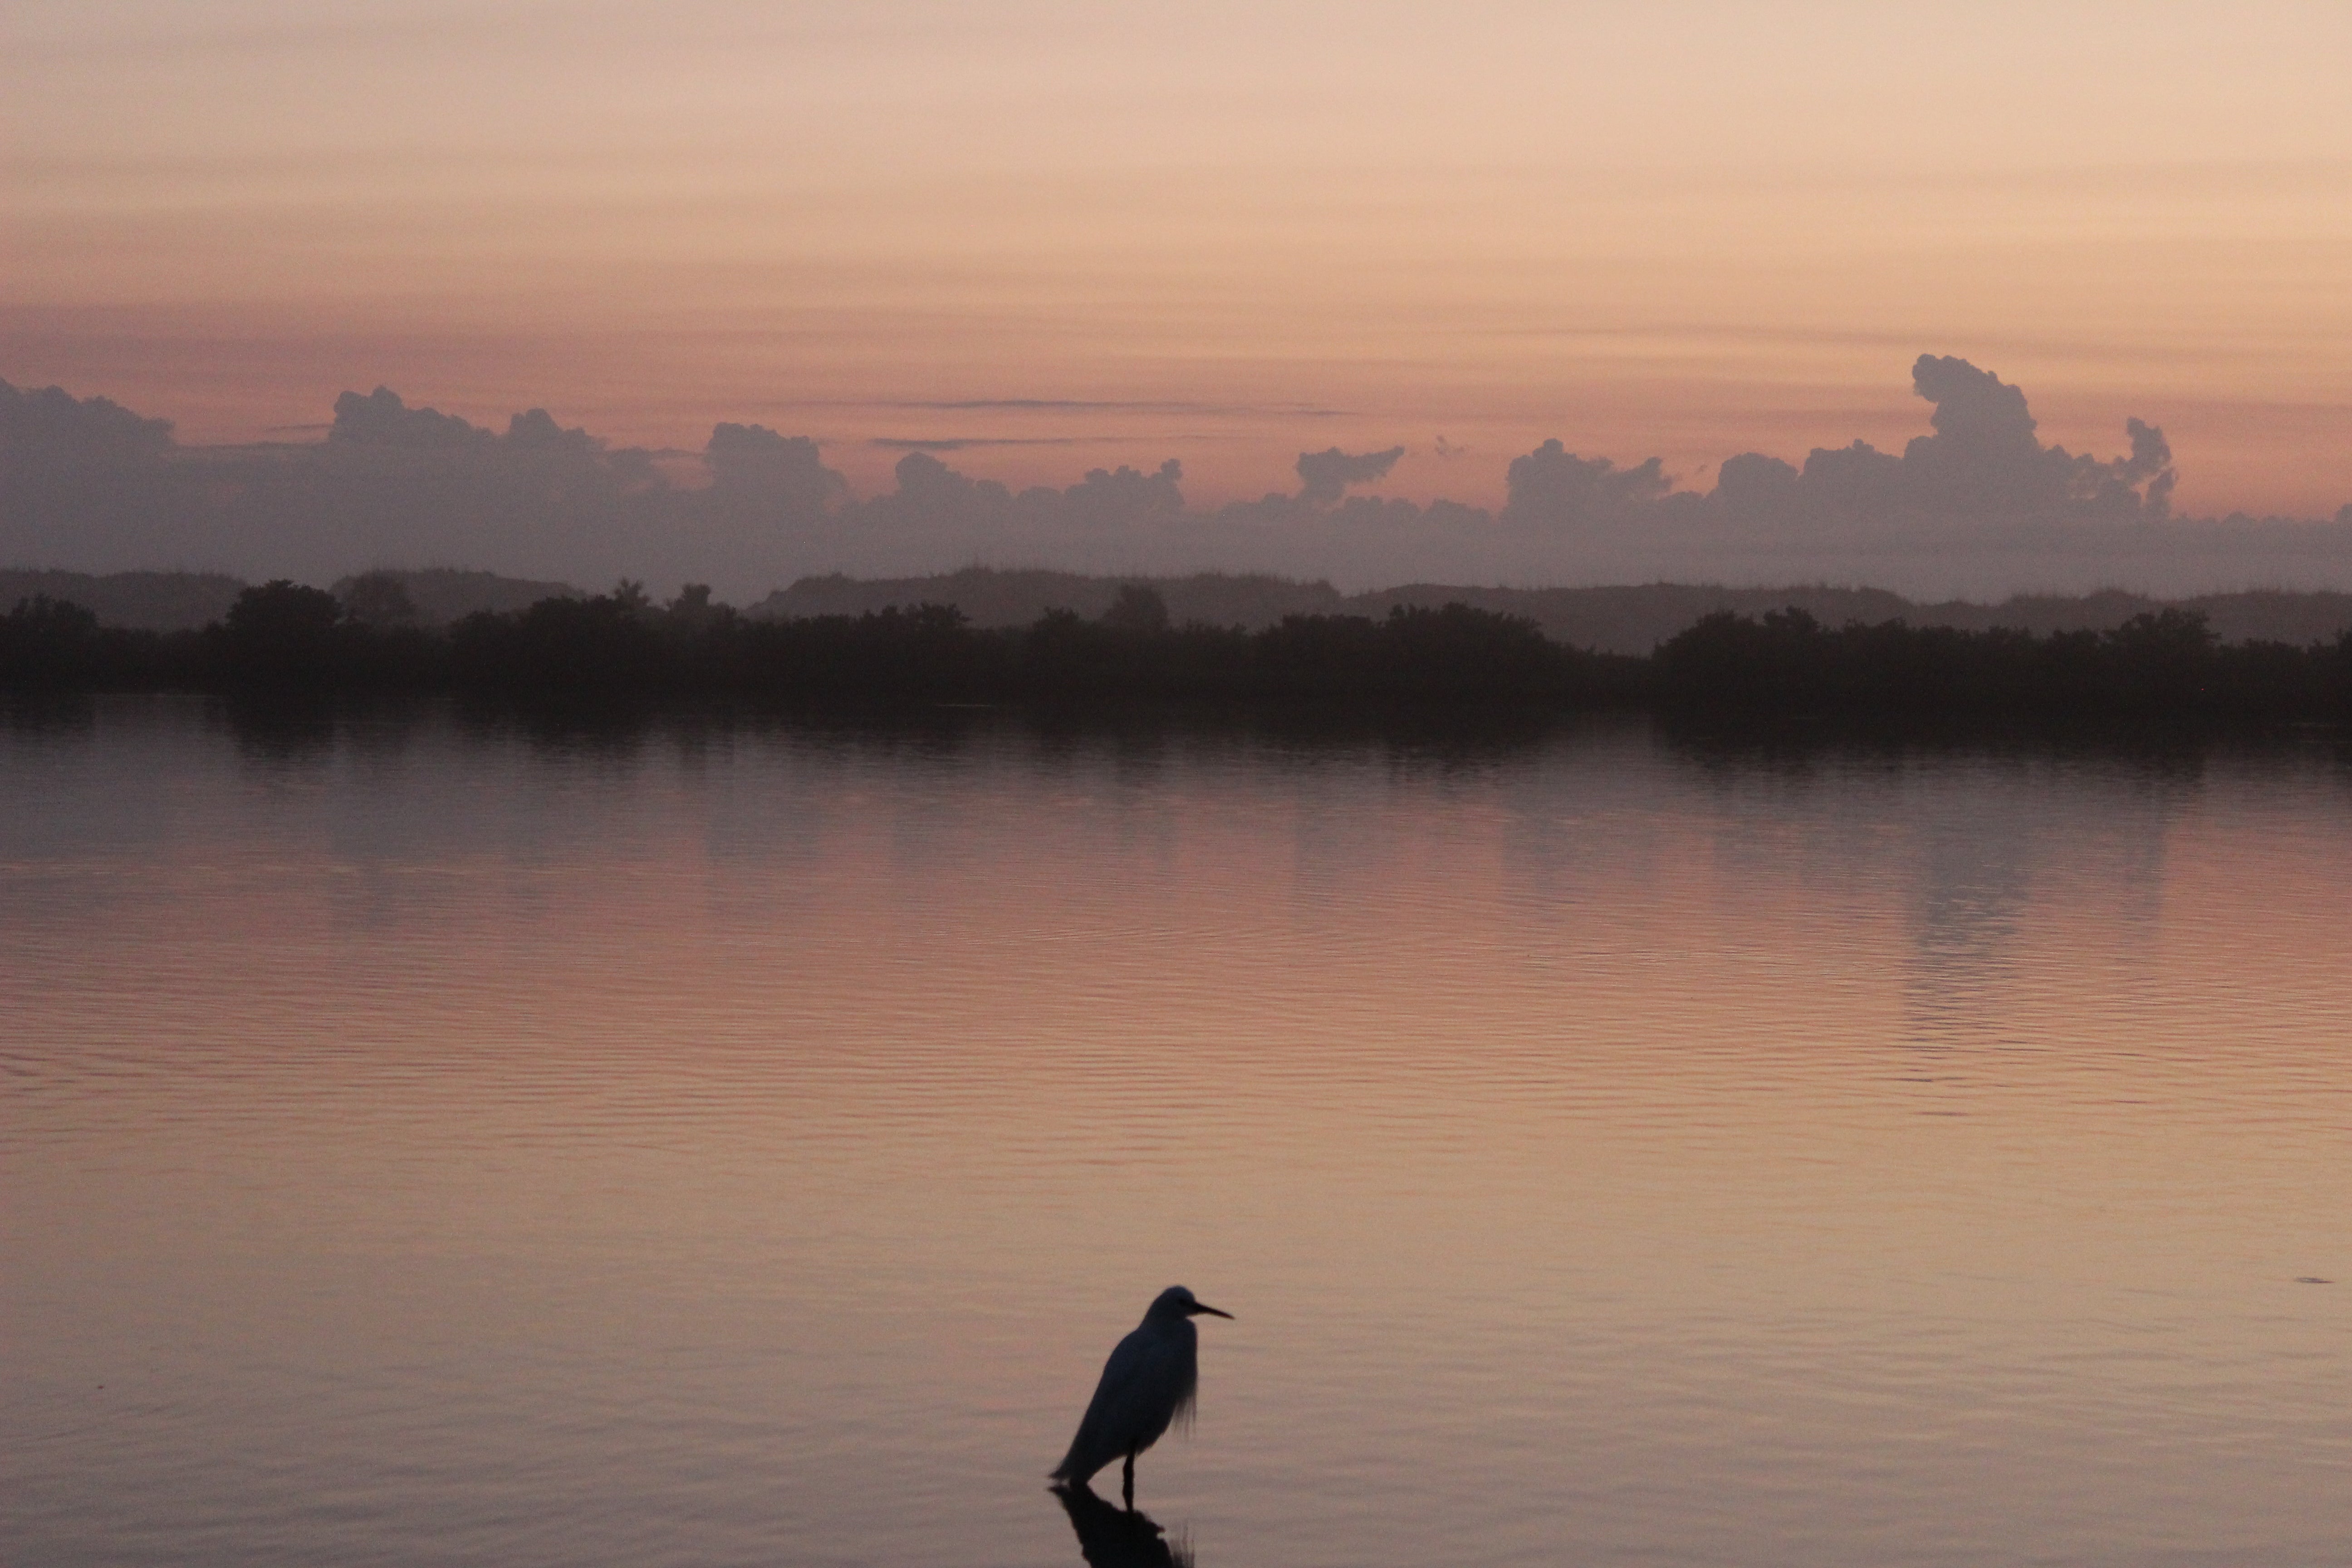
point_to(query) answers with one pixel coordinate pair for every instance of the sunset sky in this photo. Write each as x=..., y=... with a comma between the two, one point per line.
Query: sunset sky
x=1077, y=235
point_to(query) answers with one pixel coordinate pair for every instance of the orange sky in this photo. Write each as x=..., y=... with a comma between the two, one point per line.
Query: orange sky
x=1246, y=230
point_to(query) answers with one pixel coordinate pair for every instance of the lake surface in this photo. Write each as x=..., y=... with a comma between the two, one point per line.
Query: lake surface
x=466, y=1142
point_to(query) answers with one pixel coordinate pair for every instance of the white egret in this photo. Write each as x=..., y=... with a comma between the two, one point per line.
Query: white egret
x=1147, y=1383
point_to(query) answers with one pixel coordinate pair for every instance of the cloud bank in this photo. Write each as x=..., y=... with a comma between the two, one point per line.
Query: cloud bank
x=1976, y=505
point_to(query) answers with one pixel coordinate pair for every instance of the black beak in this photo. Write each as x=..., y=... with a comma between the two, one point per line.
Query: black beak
x=1204, y=1306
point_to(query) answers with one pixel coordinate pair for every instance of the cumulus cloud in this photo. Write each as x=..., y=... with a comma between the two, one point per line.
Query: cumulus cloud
x=1977, y=503
x=1981, y=460
x=381, y=419
x=535, y=430
x=1324, y=476
x=388, y=484
x=1985, y=459
x=785, y=472
x=52, y=425
x=1100, y=521
x=1553, y=486
x=1113, y=498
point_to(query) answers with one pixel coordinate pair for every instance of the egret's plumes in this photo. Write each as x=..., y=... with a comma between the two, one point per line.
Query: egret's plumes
x=1147, y=1383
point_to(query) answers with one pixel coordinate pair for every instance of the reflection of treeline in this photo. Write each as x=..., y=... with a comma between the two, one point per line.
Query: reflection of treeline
x=2165, y=662
x=284, y=637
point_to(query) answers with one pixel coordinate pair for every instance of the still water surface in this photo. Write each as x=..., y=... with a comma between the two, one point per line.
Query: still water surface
x=459, y=1143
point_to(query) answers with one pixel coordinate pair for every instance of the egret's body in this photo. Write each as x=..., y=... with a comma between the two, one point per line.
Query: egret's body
x=1147, y=1383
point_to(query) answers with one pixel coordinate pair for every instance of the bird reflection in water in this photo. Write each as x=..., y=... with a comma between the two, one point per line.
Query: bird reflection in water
x=1112, y=1537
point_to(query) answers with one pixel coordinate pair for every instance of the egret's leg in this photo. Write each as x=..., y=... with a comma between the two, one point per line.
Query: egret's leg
x=1127, y=1484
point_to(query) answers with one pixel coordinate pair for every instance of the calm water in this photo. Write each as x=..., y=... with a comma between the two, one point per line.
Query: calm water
x=426, y=1142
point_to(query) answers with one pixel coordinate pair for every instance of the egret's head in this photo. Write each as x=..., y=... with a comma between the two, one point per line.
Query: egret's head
x=1178, y=1302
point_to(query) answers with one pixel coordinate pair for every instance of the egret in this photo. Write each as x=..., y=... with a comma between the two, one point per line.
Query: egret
x=1147, y=1383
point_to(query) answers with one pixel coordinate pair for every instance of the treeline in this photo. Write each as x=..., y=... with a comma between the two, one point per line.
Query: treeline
x=283, y=637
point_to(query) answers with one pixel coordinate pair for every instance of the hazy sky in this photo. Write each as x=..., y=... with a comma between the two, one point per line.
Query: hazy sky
x=1221, y=232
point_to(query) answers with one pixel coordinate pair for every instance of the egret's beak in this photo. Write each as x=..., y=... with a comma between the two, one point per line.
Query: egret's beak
x=1204, y=1306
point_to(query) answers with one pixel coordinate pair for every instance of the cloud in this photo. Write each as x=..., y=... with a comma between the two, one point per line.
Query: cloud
x=1553, y=486
x=381, y=419
x=1982, y=460
x=535, y=430
x=1985, y=459
x=1051, y=405
x=390, y=484
x=961, y=443
x=754, y=463
x=1109, y=499
x=52, y=425
x=932, y=498
x=1976, y=504
x=1110, y=406
x=1325, y=476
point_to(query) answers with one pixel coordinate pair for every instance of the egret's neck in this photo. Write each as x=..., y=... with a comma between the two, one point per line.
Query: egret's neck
x=1173, y=1325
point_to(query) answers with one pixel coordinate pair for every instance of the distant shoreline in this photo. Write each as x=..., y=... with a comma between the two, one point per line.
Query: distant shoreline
x=1621, y=618
x=2160, y=666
